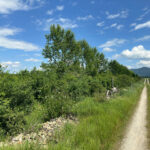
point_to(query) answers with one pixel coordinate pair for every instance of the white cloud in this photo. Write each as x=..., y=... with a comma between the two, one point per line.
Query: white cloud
x=60, y=8
x=39, y=22
x=115, y=56
x=117, y=26
x=143, y=63
x=112, y=43
x=129, y=67
x=113, y=25
x=6, y=42
x=64, y=22
x=100, y=24
x=142, y=25
x=49, y=12
x=112, y=16
x=37, y=54
x=137, y=52
x=16, y=44
x=122, y=14
x=32, y=60
x=8, y=6
x=133, y=24
x=11, y=64
x=107, y=46
x=144, y=38
x=108, y=49
x=8, y=31
x=85, y=18
x=141, y=17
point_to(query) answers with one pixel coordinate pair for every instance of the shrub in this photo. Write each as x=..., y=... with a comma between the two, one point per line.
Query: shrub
x=55, y=108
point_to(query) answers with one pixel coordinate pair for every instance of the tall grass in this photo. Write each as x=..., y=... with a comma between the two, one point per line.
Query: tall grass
x=35, y=118
x=100, y=124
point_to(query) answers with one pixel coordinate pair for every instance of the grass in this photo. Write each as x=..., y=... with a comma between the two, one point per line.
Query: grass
x=100, y=124
x=35, y=118
x=148, y=115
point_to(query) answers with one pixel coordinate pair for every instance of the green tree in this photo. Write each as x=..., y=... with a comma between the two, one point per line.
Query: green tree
x=117, y=69
x=61, y=49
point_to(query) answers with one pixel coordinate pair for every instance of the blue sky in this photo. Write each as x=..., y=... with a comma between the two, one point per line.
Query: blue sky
x=118, y=28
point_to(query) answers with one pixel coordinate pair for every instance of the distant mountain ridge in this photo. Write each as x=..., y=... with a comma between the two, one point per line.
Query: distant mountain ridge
x=142, y=72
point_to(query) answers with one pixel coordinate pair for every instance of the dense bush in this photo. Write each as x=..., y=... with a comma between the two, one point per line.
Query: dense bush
x=55, y=108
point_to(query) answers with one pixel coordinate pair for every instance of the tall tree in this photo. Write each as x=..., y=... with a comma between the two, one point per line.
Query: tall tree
x=62, y=50
x=117, y=69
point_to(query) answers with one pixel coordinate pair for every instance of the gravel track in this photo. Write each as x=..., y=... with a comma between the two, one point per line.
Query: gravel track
x=136, y=134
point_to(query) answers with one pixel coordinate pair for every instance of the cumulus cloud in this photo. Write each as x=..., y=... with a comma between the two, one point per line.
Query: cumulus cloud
x=32, y=60
x=8, y=6
x=142, y=25
x=85, y=18
x=137, y=52
x=122, y=14
x=6, y=42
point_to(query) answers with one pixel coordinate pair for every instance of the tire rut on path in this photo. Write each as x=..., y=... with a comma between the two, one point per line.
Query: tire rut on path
x=136, y=135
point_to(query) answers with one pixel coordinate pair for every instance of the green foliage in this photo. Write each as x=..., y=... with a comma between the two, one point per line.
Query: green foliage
x=124, y=81
x=74, y=71
x=55, y=108
x=99, y=123
x=64, y=52
x=61, y=49
x=117, y=68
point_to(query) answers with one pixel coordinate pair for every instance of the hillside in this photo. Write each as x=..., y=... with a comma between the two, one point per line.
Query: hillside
x=142, y=72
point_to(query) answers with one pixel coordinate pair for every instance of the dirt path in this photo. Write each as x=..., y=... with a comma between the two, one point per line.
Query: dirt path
x=136, y=135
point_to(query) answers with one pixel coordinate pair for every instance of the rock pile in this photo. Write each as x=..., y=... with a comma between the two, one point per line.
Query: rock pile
x=45, y=133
